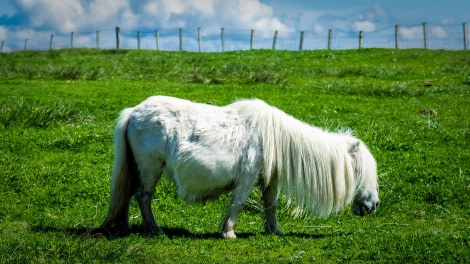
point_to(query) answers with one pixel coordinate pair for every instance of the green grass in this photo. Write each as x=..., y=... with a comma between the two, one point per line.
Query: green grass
x=57, y=112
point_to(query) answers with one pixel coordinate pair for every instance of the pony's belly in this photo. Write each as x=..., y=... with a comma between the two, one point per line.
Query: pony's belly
x=202, y=179
x=195, y=188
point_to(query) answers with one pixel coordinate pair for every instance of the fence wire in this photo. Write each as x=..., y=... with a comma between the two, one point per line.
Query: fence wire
x=432, y=36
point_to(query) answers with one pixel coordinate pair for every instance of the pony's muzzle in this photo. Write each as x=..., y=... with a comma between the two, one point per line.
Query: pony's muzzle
x=361, y=208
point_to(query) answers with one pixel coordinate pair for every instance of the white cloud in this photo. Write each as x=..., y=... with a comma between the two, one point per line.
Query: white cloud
x=46, y=13
x=37, y=19
x=411, y=32
x=414, y=33
x=79, y=15
x=377, y=12
x=341, y=20
x=438, y=32
x=3, y=33
x=448, y=21
x=366, y=26
x=250, y=14
x=103, y=11
x=25, y=34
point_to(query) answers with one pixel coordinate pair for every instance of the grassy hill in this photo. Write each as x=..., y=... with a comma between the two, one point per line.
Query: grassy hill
x=58, y=108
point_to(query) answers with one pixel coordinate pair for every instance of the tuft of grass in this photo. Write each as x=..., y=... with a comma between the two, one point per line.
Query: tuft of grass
x=25, y=113
x=237, y=73
x=373, y=88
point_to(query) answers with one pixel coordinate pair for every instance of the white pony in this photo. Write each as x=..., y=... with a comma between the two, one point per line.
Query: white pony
x=205, y=150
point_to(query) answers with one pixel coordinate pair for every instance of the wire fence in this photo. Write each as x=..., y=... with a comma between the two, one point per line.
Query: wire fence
x=428, y=36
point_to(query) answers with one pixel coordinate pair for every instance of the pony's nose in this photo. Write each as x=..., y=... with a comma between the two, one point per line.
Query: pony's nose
x=374, y=207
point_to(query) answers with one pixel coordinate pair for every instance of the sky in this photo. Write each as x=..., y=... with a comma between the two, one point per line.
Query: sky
x=20, y=19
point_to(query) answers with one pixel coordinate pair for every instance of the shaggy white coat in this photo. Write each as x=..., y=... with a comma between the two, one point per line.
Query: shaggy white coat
x=206, y=150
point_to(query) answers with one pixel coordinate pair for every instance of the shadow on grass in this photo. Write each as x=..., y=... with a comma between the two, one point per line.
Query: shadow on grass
x=169, y=232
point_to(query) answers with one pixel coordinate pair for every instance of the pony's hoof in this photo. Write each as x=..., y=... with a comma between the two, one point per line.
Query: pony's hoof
x=274, y=230
x=153, y=230
x=113, y=232
x=100, y=231
x=158, y=231
x=229, y=235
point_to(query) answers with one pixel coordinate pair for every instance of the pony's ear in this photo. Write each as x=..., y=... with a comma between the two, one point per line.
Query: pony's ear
x=353, y=149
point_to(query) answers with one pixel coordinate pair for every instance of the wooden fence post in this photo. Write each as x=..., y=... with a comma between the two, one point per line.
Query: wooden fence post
x=276, y=33
x=97, y=39
x=301, y=44
x=222, y=36
x=275, y=40
x=397, y=36
x=199, y=38
x=181, y=39
x=72, y=40
x=51, y=44
x=330, y=38
x=157, y=36
x=465, y=36
x=425, y=35
x=361, y=39
x=118, y=37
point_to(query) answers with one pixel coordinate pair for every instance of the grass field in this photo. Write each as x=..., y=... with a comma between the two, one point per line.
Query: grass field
x=58, y=108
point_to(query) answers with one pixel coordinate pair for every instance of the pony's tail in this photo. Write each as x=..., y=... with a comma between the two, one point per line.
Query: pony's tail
x=124, y=181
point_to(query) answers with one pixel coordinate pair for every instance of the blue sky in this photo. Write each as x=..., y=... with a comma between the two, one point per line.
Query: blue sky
x=20, y=19
x=400, y=11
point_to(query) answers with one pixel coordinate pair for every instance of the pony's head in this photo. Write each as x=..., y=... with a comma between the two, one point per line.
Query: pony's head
x=366, y=198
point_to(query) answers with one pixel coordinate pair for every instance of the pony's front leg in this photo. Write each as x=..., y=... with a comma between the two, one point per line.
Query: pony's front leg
x=239, y=197
x=229, y=222
x=270, y=194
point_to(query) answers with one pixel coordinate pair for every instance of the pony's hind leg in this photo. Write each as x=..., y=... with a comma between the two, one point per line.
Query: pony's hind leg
x=148, y=178
x=270, y=194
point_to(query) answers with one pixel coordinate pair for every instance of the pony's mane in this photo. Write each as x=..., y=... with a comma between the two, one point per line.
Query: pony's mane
x=316, y=169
